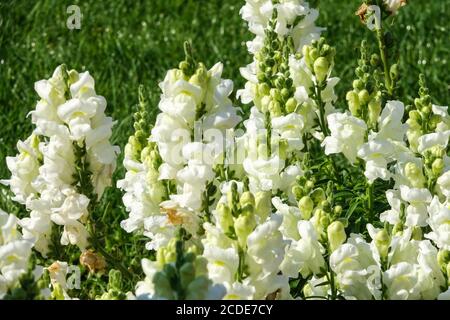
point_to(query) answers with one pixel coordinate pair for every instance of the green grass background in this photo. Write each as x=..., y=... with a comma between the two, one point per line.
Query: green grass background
x=127, y=43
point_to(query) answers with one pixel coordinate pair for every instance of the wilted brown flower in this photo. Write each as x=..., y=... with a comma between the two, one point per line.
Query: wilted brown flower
x=361, y=12
x=93, y=261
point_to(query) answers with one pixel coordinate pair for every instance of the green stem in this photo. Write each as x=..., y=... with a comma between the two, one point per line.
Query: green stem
x=382, y=47
x=241, y=266
x=369, y=191
x=268, y=126
x=321, y=105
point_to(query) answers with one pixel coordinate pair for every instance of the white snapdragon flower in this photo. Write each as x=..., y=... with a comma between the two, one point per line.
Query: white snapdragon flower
x=385, y=145
x=305, y=255
x=14, y=253
x=443, y=184
x=347, y=135
x=439, y=217
x=291, y=216
x=431, y=278
x=402, y=281
x=58, y=272
x=418, y=199
x=315, y=288
x=24, y=169
x=392, y=216
x=433, y=139
x=357, y=271
x=415, y=201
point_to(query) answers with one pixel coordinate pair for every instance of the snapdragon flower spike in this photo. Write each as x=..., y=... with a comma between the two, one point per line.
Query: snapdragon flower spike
x=277, y=122
x=15, y=252
x=69, y=160
x=171, y=183
x=143, y=189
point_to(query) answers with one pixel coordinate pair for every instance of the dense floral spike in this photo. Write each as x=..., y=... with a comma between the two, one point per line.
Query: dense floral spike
x=65, y=165
x=167, y=182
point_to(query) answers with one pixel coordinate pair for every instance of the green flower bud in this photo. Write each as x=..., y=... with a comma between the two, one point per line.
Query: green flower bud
x=321, y=68
x=263, y=89
x=434, y=121
x=325, y=205
x=374, y=110
x=398, y=229
x=382, y=242
x=358, y=84
x=414, y=175
x=247, y=198
x=394, y=72
x=115, y=280
x=308, y=186
x=261, y=76
x=314, y=54
x=324, y=220
x=306, y=206
x=336, y=235
x=169, y=271
x=318, y=195
x=363, y=96
x=437, y=151
x=162, y=286
x=285, y=93
x=275, y=108
x=415, y=116
x=291, y=105
x=275, y=94
x=425, y=112
x=201, y=266
x=337, y=210
x=263, y=204
x=198, y=288
x=265, y=101
x=305, y=50
x=224, y=216
x=244, y=225
x=418, y=103
x=437, y=167
x=187, y=274
x=297, y=191
x=190, y=256
x=353, y=102
x=375, y=60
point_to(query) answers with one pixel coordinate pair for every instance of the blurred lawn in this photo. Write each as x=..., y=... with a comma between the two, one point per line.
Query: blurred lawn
x=125, y=43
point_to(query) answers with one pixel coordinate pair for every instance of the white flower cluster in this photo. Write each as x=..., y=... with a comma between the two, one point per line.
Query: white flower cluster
x=293, y=18
x=282, y=83
x=244, y=246
x=400, y=262
x=166, y=181
x=71, y=135
x=14, y=253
